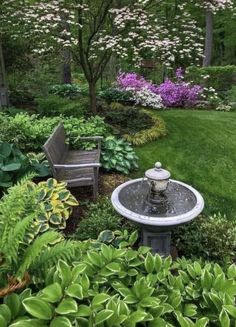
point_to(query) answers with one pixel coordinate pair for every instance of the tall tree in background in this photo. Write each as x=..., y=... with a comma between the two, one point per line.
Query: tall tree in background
x=211, y=7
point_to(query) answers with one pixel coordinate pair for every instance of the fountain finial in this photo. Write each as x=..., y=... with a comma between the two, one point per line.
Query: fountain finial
x=158, y=165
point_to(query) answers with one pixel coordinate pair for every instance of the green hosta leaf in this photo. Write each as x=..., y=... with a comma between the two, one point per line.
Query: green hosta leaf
x=83, y=311
x=85, y=283
x=103, y=316
x=224, y=319
x=13, y=302
x=137, y=316
x=38, y=308
x=61, y=322
x=99, y=299
x=95, y=258
x=76, y=291
x=65, y=273
x=114, y=267
x=203, y=322
x=52, y=293
x=29, y=323
x=77, y=270
x=5, y=149
x=67, y=306
x=231, y=273
x=206, y=280
x=5, y=312
x=216, y=300
x=190, y=310
x=3, y=321
x=158, y=322
x=11, y=167
x=106, y=236
x=231, y=309
x=149, y=263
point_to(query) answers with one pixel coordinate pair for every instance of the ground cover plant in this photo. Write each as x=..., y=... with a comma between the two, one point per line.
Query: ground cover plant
x=119, y=286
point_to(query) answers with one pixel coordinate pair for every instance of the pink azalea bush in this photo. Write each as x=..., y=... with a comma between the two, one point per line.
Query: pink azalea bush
x=167, y=94
x=179, y=94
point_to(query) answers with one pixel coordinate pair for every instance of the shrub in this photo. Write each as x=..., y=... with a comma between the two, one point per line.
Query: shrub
x=123, y=287
x=221, y=78
x=66, y=90
x=54, y=105
x=117, y=154
x=117, y=95
x=135, y=82
x=129, y=120
x=231, y=97
x=211, y=237
x=179, y=94
x=147, y=98
x=14, y=165
x=100, y=216
x=31, y=132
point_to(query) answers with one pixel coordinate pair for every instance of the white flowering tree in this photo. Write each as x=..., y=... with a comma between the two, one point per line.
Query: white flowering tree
x=92, y=30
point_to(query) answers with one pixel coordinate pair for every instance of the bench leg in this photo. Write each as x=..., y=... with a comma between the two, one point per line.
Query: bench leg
x=95, y=185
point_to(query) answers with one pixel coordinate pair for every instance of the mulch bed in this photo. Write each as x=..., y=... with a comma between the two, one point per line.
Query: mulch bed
x=107, y=184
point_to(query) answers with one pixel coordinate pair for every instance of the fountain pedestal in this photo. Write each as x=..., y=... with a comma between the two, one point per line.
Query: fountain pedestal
x=158, y=241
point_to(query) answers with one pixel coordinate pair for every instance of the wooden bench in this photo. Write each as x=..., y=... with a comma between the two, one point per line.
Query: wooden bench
x=75, y=167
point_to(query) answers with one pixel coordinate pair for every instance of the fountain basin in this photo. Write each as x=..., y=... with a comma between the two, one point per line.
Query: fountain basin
x=184, y=203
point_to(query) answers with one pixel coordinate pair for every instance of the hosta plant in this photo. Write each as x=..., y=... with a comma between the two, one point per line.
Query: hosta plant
x=117, y=154
x=14, y=165
x=56, y=204
x=110, y=286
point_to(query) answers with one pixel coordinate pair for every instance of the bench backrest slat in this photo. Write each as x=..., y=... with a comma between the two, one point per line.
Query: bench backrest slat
x=55, y=146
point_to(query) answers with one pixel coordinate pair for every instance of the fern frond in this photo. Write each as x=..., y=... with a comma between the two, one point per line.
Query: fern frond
x=14, y=238
x=34, y=250
x=66, y=250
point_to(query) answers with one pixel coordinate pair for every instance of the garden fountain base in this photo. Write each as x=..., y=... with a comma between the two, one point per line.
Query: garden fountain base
x=158, y=241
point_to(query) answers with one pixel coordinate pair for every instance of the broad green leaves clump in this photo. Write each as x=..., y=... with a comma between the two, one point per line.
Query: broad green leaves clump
x=110, y=286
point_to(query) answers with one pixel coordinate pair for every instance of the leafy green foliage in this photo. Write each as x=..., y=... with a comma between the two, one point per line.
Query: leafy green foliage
x=53, y=105
x=100, y=216
x=116, y=95
x=221, y=78
x=23, y=247
x=231, y=97
x=31, y=132
x=211, y=237
x=129, y=120
x=14, y=165
x=117, y=154
x=56, y=204
x=122, y=287
x=68, y=90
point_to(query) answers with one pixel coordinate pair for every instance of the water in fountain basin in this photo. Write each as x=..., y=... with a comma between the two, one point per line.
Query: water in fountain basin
x=178, y=200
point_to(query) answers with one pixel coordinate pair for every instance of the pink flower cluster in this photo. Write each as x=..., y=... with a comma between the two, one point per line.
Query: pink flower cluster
x=172, y=94
x=133, y=81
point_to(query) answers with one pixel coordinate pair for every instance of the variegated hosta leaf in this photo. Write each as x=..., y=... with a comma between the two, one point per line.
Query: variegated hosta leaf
x=55, y=219
x=44, y=227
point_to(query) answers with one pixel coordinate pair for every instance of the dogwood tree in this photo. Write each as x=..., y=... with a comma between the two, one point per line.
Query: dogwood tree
x=92, y=30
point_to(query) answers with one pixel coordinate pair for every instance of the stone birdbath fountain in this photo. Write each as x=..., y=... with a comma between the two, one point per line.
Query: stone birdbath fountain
x=157, y=204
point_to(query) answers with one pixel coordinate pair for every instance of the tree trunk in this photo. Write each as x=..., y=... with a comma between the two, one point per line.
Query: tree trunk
x=4, y=100
x=208, y=39
x=92, y=96
x=66, y=67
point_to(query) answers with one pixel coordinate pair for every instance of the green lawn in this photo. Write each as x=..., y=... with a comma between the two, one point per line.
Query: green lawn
x=200, y=149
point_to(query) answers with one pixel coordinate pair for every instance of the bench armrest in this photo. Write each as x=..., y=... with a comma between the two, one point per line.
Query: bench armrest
x=87, y=165
x=90, y=138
